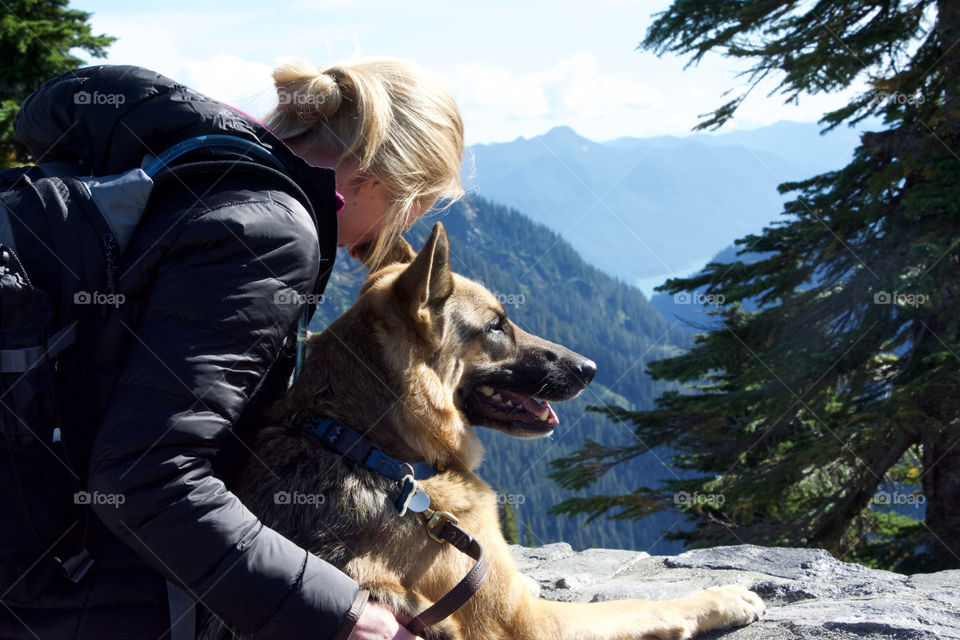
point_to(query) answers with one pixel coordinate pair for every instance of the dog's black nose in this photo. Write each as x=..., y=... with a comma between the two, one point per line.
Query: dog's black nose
x=586, y=369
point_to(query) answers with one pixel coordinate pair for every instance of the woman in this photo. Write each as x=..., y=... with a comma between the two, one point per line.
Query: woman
x=207, y=278
x=394, y=161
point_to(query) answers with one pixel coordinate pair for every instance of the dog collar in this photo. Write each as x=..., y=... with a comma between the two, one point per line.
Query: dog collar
x=353, y=445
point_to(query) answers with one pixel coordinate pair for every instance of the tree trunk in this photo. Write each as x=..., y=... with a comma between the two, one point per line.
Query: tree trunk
x=941, y=484
x=948, y=33
x=941, y=447
x=832, y=527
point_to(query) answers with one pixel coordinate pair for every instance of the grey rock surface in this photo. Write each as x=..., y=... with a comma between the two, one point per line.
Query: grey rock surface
x=809, y=594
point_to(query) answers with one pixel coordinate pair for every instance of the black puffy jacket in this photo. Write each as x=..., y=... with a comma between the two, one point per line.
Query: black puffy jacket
x=176, y=366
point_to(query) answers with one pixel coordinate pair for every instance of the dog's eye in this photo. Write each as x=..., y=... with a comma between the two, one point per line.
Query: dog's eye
x=495, y=325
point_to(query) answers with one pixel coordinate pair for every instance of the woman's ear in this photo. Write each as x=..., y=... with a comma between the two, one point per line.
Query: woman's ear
x=362, y=184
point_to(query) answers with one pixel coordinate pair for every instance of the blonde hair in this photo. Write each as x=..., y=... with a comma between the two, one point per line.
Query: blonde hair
x=394, y=119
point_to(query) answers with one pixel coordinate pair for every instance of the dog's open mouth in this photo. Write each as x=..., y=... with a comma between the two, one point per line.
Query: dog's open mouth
x=516, y=412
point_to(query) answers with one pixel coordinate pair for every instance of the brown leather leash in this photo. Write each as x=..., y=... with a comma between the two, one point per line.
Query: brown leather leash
x=442, y=527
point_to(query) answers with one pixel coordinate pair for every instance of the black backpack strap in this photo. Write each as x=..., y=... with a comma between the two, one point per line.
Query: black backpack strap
x=183, y=613
x=20, y=360
x=17, y=176
x=108, y=242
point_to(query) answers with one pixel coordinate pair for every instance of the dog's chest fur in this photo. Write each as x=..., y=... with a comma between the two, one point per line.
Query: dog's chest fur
x=342, y=512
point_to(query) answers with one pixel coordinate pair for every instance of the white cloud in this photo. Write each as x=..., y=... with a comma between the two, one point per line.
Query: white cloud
x=574, y=91
x=500, y=91
x=587, y=93
x=547, y=68
x=338, y=5
x=760, y=109
x=244, y=84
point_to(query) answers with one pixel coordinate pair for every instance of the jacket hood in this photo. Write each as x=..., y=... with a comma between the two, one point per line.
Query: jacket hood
x=107, y=118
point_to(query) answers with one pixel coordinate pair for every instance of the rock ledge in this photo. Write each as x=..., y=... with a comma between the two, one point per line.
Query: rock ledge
x=809, y=594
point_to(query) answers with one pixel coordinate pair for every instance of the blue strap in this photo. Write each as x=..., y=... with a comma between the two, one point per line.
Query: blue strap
x=353, y=445
x=218, y=140
x=389, y=467
x=301, y=346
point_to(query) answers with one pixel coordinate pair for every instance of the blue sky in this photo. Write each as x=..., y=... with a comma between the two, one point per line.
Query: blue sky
x=516, y=68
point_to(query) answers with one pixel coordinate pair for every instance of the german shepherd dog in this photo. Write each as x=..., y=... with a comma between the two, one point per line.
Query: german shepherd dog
x=422, y=357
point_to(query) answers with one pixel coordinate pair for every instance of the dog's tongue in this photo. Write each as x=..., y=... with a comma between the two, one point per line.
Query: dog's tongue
x=536, y=407
x=532, y=405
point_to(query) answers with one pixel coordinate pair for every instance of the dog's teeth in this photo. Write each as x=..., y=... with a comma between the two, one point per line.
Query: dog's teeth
x=487, y=391
x=509, y=403
x=543, y=415
x=497, y=397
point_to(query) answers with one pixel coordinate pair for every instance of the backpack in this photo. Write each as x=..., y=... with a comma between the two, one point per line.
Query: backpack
x=61, y=236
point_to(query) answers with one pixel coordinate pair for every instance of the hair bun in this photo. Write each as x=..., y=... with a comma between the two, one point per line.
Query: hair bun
x=306, y=90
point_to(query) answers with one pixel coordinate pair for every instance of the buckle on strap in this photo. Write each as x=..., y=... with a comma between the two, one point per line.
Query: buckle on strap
x=76, y=566
x=442, y=527
x=436, y=520
x=408, y=488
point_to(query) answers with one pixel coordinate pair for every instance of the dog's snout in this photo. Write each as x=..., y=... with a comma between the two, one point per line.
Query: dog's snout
x=586, y=369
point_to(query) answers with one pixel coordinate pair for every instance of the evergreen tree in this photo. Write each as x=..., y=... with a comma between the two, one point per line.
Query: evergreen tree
x=842, y=387
x=508, y=522
x=529, y=539
x=36, y=37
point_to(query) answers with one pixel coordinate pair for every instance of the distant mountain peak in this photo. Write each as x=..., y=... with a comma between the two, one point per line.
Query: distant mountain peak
x=563, y=132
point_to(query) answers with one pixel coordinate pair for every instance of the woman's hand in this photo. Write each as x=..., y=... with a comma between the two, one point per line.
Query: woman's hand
x=379, y=623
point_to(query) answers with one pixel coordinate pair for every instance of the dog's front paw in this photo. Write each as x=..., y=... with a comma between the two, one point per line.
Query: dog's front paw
x=728, y=606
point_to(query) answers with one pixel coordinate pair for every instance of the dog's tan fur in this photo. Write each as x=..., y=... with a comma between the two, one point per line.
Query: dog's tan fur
x=395, y=366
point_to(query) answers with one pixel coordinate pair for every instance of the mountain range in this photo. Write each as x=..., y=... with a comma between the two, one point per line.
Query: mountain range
x=645, y=209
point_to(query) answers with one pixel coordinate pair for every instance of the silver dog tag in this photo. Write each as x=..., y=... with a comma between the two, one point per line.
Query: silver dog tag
x=419, y=502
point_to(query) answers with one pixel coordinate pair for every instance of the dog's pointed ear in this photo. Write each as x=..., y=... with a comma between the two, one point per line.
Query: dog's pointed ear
x=428, y=281
x=400, y=251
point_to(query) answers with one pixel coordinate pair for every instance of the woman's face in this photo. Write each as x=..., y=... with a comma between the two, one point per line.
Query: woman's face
x=366, y=200
x=361, y=219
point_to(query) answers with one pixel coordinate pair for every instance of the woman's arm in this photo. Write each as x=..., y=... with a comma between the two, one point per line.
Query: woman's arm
x=211, y=328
